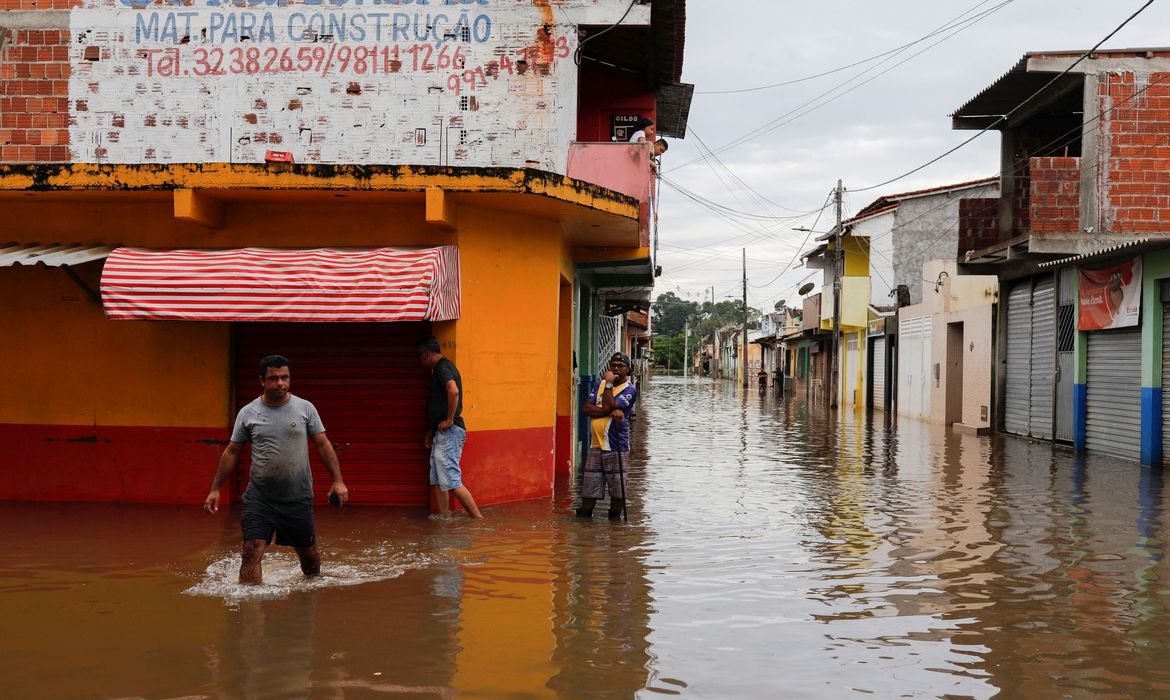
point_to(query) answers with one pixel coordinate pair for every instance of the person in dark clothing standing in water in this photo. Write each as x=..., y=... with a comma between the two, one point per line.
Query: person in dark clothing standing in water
x=609, y=447
x=446, y=431
x=279, y=498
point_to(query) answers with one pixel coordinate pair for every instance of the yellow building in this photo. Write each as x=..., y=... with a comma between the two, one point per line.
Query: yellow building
x=532, y=221
x=845, y=261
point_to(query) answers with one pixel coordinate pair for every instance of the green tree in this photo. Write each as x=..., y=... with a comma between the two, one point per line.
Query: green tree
x=670, y=313
x=668, y=351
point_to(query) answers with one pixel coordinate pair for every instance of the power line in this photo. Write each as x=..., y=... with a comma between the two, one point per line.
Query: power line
x=1015, y=109
x=758, y=235
x=863, y=61
x=728, y=210
x=738, y=179
x=807, y=235
x=796, y=113
x=1062, y=140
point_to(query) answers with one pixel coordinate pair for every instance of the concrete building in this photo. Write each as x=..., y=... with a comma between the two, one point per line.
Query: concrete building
x=463, y=143
x=945, y=350
x=771, y=349
x=894, y=236
x=807, y=346
x=1077, y=240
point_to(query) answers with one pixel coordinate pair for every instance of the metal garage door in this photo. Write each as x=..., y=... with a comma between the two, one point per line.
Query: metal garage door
x=1031, y=358
x=1066, y=361
x=1114, y=394
x=370, y=390
x=1017, y=394
x=1043, y=358
x=1165, y=376
x=878, y=373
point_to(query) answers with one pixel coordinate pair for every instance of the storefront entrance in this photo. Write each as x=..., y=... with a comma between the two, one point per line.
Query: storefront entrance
x=369, y=389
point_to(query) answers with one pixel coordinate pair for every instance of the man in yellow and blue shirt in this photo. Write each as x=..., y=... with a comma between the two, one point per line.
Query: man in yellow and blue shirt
x=609, y=409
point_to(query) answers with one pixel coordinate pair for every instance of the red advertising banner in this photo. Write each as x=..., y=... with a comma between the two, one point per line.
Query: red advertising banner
x=1110, y=297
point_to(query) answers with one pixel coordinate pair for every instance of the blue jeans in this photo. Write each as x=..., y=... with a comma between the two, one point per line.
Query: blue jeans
x=446, y=449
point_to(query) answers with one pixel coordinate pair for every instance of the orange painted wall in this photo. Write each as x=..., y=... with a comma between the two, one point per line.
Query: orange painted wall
x=66, y=365
x=293, y=220
x=505, y=338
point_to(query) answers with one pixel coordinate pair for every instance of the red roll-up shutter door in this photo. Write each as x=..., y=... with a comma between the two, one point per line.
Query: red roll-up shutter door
x=370, y=391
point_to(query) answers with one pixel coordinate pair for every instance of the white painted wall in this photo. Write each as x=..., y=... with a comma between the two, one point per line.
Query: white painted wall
x=344, y=81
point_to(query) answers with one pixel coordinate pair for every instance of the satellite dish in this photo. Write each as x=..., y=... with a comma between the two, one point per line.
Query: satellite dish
x=780, y=305
x=808, y=287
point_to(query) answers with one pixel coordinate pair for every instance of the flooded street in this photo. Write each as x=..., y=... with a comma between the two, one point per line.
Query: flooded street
x=769, y=554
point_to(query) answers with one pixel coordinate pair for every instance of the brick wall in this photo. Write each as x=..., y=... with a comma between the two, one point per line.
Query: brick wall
x=1055, y=194
x=1135, y=184
x=490, y=83
x=34, y=92
x=978, y=223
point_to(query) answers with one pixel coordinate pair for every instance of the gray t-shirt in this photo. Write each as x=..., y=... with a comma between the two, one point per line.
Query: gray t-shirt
x=280, y=449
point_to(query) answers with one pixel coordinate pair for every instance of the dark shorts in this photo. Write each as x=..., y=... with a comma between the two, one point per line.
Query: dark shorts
x=292, y=523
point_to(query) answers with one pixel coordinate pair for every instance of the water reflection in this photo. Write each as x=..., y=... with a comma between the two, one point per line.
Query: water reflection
x=772, y=551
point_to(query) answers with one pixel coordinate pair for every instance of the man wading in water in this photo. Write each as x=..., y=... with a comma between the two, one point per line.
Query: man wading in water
x=609, y=445
x=279, y=498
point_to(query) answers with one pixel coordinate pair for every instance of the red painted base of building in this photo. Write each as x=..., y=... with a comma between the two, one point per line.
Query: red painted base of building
x=109, y=464
x=564, y=454
x=509, y=465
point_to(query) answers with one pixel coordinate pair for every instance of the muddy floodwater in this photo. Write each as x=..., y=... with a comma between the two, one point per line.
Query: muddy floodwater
x=770, y=553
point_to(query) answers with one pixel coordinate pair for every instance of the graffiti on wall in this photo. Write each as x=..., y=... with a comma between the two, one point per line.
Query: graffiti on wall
x=449, y=82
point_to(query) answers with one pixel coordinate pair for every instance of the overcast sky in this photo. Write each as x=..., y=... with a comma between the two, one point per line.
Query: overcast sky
x=896, y=122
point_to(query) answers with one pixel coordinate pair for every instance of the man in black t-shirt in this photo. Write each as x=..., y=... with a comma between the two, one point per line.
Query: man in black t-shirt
x=446, y=431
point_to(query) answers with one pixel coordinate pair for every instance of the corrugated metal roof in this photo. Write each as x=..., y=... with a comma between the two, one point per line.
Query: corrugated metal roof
x=1018, y=83
x=1095, y=254
x=51, y=254
x=890, y=201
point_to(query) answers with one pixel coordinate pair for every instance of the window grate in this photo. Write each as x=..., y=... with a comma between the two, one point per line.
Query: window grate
x=1067, y=325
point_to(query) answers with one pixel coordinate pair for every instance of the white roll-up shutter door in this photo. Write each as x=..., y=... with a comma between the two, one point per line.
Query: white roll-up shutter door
x=878, y=373
x=1043, y=373
x=1113, y=423
x=1019, y=359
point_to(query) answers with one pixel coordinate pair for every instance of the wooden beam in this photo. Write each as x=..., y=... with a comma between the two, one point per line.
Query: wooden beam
x=198, y=207
x=440, y=211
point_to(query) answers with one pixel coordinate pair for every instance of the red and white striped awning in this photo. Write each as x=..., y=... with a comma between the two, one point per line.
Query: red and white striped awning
x=269, y=284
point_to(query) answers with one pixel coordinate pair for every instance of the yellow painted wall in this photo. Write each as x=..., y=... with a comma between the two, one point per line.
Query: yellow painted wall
x=854, y=309
x=69, y=365
x=856, y=256
x=507, y=331
x=65, y=364
x=855, y=302
x=565, y=346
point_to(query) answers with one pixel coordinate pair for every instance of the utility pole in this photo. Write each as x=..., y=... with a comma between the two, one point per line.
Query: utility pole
x=745, y=319
x=686, y=344
x=838, y=262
